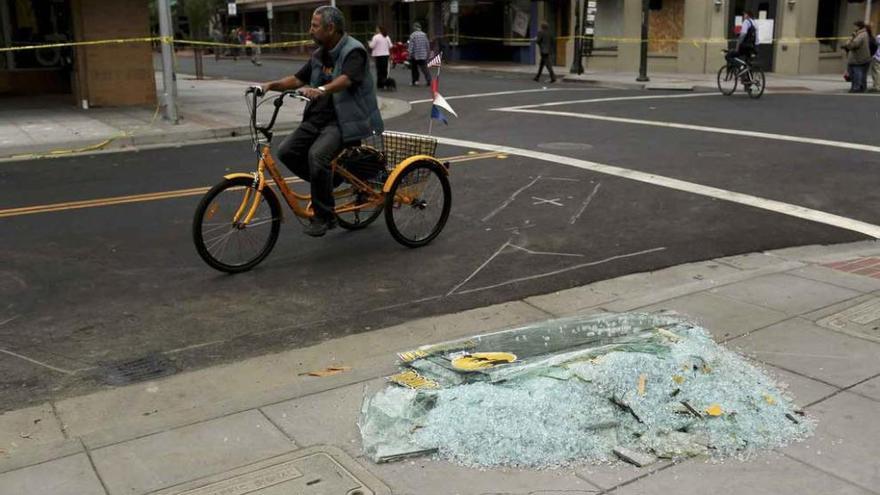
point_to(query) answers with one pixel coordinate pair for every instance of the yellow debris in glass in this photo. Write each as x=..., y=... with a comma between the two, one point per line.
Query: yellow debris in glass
x=678, y=379
x=482, y=360
x=411, y=379
x=714, y=410
x=769, y=398
x=643, y=381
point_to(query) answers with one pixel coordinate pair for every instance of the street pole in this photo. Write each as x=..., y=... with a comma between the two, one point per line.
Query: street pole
x=577, y=64
x=169, y=80
x=868, y=11
x=643, y=55
x=333, y=3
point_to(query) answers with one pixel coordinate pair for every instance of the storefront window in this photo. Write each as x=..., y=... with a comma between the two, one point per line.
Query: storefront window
x=827, y=21
x=608, y=25
x=33, y=22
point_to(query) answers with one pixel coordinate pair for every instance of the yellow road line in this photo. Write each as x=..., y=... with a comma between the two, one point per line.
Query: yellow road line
x=179, y=193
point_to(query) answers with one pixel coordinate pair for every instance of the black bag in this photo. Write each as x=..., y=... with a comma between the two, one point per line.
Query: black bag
x=872, y=44
x=389, y=84
x=751, y=38
x=364, y=162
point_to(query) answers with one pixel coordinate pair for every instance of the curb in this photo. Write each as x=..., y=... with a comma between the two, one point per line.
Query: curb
x=393, y=107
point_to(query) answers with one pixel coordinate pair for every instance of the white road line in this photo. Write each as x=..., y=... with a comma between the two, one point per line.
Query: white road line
x=38, y=363
x=602, y=100
x=501, y=93
x=563, y=270
x=681, y=185
x=701, y=128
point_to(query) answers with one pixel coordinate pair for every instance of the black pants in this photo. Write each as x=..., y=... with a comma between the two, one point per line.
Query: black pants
x=308, y=153
x=415, y=66
x=546, y=60
x=381, y=70
x=858, y=77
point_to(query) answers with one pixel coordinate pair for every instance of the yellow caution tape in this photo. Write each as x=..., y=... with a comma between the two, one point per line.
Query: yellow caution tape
x=149, y=39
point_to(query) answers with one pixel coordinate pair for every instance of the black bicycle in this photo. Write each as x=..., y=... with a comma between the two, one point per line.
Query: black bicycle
x=738, y=70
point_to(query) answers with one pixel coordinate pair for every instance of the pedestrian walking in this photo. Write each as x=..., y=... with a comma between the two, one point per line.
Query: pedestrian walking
x=258, y=37
x=858, y=58
x=419, y=47
x=380, y=49
x=217, y=37
x=545, y=41
x=875, y=65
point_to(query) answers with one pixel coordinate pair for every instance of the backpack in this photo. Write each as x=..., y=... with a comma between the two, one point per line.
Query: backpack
x=751, y=38
x=872, y=45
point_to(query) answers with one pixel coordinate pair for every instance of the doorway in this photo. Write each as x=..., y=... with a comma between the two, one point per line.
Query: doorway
x=765, y=12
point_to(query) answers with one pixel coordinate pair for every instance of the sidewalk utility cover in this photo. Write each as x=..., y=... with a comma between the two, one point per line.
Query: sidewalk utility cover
x=575, y=389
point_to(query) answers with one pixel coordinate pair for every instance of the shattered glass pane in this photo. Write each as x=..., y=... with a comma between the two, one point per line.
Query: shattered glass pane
x=579, y=388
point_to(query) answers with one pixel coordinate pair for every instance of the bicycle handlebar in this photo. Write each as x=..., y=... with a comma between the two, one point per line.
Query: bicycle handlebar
x=257, y=92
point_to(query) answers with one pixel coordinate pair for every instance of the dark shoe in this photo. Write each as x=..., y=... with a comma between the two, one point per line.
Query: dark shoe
x=552, y=80
x=317, y=227
x=536, y=79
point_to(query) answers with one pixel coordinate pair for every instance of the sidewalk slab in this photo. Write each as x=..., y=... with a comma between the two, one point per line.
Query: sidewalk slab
x=165, y=459
x=770, y=475
x=118, y=414
x=800, y=295
x=316, y=471
x=845, y=443
x=724, y=317
x=870, y=389
x=327, y=418
x=802, y=389
x=72, y=475
x=827, y=275
x=424, y=476
x=32, y=435
x=801, y=346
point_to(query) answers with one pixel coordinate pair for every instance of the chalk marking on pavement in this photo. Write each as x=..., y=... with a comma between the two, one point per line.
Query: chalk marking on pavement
x=9, y=320
x=563, y=270
x=544, y=201
x=701, y=128
x=510, y=199
x=681, y=185
x=475, y=272
x=179, y=193
x=586, y=203
x=501, y=93
x=603, y=100
x=34, y=361
x=544, y=253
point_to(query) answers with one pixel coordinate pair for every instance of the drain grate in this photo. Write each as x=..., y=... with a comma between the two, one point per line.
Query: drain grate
x=149, y=367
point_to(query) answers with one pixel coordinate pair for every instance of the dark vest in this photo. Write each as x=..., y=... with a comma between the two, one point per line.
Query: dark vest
x=357, y=111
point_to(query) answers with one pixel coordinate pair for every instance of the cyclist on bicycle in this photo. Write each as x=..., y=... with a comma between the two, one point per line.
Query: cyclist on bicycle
x=746, y=44
x=343, y=110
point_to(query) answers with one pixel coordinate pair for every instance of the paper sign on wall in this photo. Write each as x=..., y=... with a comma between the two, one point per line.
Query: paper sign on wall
x=765, y=31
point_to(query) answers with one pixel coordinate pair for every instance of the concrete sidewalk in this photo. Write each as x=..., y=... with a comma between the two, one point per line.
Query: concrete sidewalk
x=809, y=315
x=209, y=109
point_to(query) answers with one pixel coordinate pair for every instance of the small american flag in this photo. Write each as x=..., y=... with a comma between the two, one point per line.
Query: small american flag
x=436, y=61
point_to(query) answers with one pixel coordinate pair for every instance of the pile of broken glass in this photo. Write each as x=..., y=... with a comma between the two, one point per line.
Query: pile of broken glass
x=582, y=389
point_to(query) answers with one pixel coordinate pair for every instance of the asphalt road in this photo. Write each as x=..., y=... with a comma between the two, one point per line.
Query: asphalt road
x=86, y=289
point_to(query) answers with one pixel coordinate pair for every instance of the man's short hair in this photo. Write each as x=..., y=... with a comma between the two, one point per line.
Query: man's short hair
x=748, y=13
x=331, y=15
x=417, y=26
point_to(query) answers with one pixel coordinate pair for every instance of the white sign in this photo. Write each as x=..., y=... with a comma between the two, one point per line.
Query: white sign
x=268, y=10
x=453, y=7
x=765, y=31
x=233, y=9
x=588, y=30
x=521, y=23
x=591, y=17
x=591, y=4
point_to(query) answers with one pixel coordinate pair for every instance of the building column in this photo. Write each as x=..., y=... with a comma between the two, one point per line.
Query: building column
x=705, y=22
x=628, y=52
x=797, y=22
